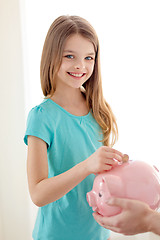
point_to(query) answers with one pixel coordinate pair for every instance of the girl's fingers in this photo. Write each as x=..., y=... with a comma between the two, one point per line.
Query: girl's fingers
x=110, y=162
x=107, y=167
x=112, y=150
x=111, y=156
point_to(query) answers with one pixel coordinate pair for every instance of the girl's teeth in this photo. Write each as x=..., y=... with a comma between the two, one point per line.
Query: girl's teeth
x=76, y=74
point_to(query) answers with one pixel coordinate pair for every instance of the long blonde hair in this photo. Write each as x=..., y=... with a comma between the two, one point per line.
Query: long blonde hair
x=60, y=30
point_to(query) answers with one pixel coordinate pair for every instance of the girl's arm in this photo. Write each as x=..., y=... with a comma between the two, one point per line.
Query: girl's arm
x=44, y=190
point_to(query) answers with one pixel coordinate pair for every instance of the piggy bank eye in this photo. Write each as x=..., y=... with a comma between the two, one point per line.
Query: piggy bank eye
x=100, y=195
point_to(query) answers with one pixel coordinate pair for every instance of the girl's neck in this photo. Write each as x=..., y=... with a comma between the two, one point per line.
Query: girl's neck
x=72, y=97
x=72, y=101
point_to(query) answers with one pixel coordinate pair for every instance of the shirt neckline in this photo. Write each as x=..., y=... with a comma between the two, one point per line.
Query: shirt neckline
x=65, y=111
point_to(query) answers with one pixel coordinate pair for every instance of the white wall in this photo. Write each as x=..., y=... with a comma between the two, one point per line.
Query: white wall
x=14, y=213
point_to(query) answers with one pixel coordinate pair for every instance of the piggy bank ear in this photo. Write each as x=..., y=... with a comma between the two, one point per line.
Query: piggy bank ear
x=114, y=185
x=104, y=188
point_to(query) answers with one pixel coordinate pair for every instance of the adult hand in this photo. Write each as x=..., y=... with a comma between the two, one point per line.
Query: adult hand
x=136, y=217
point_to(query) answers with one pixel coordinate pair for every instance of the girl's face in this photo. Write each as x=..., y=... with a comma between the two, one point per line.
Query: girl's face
x=77, y=62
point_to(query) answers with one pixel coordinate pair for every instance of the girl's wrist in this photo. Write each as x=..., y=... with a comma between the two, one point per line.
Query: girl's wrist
x=85, y=166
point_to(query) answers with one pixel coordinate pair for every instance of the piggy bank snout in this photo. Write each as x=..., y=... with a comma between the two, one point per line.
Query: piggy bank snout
x=91, y=199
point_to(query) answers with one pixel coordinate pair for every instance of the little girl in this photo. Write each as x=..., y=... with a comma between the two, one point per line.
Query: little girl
x=69, y=134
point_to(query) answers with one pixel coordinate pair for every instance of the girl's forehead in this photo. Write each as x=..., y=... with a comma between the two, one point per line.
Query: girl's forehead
x=76, y=43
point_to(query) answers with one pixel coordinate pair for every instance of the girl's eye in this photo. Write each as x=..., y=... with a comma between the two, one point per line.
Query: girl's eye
x=69, y=56
x=88, y=58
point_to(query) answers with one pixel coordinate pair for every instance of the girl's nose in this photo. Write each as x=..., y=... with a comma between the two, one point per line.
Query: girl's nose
x=79, y=65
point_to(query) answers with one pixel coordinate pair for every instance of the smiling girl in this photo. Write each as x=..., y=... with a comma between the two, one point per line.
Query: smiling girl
x=69, y=134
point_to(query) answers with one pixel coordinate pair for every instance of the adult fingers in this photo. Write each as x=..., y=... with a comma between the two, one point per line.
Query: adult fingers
x=106, y=222
x=120, y=202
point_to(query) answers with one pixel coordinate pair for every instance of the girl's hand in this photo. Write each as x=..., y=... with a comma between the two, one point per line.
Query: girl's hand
x=103, y=159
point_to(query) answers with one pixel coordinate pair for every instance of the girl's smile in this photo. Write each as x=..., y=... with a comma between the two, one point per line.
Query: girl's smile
x=76, y=75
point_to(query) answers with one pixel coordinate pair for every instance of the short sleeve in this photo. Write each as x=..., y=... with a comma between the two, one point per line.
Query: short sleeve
x=39, y=125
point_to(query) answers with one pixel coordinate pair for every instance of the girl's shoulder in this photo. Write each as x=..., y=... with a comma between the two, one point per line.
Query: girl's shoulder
x=45, y=108
x=44, y=113
x=40, y=123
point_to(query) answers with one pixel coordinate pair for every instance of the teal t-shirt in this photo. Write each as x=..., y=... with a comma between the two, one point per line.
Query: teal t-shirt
x=70, y=140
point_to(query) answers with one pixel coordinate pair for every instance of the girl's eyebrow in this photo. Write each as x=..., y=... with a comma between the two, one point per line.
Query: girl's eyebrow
x=71, y=51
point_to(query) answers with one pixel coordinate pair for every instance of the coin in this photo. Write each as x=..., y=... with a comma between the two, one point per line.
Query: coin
x=125, y=158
